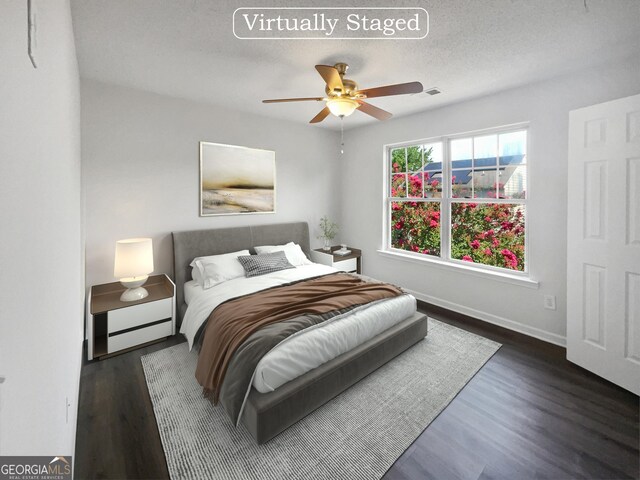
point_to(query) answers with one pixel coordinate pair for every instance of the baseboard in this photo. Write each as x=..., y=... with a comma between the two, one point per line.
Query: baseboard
x=493, y=319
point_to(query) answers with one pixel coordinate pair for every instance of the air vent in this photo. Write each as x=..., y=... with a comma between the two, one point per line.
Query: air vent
x=433, y=91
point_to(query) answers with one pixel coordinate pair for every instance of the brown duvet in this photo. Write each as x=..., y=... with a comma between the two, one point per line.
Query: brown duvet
x=234, y=321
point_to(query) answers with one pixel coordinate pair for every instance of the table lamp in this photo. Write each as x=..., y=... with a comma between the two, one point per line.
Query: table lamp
x=134, y=263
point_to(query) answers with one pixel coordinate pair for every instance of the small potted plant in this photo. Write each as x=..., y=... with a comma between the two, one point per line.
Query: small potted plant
x=329, y=232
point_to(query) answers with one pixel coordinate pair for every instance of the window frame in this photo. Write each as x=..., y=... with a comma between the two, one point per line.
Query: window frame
x=446, y=201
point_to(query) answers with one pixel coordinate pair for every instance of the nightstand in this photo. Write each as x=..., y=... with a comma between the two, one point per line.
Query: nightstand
x=114, y=326
x=351, y=263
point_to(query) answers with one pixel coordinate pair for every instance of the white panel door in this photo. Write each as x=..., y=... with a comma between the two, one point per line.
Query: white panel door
x=603, y=251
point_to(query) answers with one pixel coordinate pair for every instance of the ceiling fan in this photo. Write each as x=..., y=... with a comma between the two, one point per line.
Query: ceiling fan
x=344, y=97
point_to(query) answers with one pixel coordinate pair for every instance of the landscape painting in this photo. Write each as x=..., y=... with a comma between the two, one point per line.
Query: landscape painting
x=236, y=180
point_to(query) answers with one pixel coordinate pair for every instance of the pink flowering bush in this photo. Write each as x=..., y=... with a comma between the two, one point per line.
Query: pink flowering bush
x=415, y=184
x=398, y=185
x=420, y=186
x=490, y=234
x=415, y=226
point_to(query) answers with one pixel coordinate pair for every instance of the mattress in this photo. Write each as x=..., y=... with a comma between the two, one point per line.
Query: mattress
x=191, y=289
x=315, y=346
x=309, y=348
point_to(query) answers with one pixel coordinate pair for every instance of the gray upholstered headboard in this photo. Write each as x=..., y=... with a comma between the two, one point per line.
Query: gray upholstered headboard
x=198, y=243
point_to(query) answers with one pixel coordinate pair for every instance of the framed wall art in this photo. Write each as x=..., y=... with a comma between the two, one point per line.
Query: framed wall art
x=236, y=180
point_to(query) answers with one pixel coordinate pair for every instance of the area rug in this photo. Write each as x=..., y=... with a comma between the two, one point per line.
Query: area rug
x=358, y=435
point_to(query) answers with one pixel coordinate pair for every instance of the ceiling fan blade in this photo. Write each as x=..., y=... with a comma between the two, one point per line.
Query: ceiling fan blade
x=279, y=100
x=375, y=112
x=321, y=116
x=331, y=77
x=398, y=89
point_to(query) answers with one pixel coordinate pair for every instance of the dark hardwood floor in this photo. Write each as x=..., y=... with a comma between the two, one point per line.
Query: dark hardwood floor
x=528, y=413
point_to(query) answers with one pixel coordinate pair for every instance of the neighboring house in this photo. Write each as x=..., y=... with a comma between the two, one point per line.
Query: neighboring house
x=481, y=173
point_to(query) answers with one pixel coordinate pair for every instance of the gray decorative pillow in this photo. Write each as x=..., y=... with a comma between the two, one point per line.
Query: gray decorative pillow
x=255, y=265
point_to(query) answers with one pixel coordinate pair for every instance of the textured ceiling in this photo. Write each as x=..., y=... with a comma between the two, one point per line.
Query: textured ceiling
x=186, y=48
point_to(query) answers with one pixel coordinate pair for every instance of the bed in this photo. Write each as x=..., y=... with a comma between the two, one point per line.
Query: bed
x=267, y=414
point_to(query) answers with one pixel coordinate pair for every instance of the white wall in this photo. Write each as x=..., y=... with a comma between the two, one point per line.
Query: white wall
x=41, y=283
x=545, y=106
x=141, y=170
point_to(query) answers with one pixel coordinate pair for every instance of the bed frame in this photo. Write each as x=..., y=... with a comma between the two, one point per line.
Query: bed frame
x=268, y=414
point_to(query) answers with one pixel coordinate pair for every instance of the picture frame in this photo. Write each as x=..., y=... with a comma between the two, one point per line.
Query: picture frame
x=236, y=180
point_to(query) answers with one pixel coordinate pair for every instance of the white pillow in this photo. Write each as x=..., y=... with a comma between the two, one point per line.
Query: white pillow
x=196, y=276
x=294, y=253
x=216, y=269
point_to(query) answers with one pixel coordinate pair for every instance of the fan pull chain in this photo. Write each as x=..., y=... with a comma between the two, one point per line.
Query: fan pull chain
x=341, y=134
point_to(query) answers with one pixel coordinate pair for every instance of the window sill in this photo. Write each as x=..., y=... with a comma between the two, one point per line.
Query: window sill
x=512, y=279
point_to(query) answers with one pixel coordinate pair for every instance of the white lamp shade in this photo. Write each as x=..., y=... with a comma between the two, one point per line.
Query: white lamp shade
x=134, y=258
x=342, y=106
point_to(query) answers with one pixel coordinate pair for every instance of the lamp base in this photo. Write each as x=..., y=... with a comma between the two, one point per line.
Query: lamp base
x=131, y=294
x=134, y=290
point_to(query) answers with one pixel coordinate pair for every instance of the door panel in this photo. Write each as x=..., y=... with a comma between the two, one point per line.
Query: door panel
x=632, y=347
x=633, y=201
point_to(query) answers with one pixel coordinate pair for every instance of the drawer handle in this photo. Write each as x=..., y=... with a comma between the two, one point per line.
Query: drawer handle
x=127, y=330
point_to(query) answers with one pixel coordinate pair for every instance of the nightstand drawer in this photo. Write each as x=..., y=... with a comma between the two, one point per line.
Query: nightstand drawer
x=136, y=315
x=121, y=341
x=350, y=265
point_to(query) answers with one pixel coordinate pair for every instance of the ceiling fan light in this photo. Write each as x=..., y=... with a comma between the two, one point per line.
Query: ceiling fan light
x=342, y=106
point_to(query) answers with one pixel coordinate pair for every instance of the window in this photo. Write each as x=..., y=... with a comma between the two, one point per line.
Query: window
x=460, y=199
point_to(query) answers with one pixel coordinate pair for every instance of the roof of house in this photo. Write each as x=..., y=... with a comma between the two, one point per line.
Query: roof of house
x=463, y=168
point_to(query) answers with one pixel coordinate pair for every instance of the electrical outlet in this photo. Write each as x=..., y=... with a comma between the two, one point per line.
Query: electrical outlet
x=550, y=302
